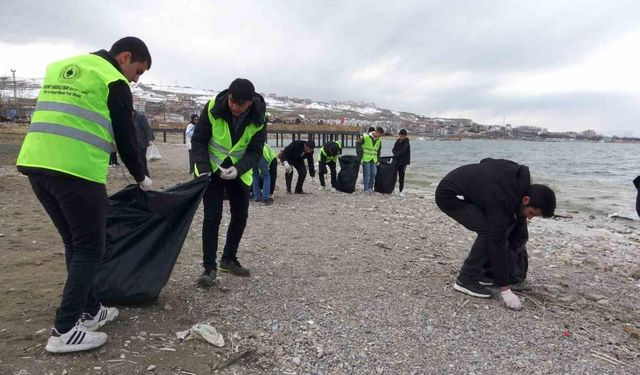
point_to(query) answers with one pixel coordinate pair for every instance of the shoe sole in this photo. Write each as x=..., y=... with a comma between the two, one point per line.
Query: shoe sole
x=464, y=290
x=225, y=270
x=484, y=283
x=73, y=348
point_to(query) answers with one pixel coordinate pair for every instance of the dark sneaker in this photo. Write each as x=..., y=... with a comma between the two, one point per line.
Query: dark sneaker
x=207, y=279
x=473, y=289
x=79, y=338
x=485, y=281
x=234, y=268
x=268, y=202
x=300, y=192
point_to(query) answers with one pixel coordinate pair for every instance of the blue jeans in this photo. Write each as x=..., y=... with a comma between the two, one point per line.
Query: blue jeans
x=369, y=175
x=261, y=167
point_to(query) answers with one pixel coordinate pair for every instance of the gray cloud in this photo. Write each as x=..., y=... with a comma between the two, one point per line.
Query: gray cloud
x=315, y=49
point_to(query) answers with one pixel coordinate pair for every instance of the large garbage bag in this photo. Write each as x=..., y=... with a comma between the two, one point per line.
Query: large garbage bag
x=145, y=233
x=518, y=259
x=386, y=175
x=348, y=175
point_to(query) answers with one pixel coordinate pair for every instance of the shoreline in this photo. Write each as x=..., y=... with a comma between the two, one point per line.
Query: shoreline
x=341, y=283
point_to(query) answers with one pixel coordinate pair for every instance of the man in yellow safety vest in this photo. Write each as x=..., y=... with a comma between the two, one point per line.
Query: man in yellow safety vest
x=83, y=113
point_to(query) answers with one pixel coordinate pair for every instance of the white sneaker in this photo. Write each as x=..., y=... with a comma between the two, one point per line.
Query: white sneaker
x=401, y=194
x=76, y=340
x=333, y=190
x=104, y=316
x=321, y=188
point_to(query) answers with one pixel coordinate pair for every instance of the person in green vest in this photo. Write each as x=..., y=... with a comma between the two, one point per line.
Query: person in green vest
x=368, y=151
x=227, y=143
x=83, y=113
x=328, y=156
x=262, y=174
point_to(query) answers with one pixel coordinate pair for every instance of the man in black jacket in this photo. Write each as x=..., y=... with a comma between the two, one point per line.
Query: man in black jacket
x=236, y=113
x=401, y=156
x=489, y=198
x=145, y=137
x=293, y=157
x=329, y=154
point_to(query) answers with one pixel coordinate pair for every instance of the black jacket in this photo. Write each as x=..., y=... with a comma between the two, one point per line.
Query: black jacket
x=402, y=152
x=143, y=129
x=202, y=134
x=497, y=187
x=294, y=152
x=120, y=103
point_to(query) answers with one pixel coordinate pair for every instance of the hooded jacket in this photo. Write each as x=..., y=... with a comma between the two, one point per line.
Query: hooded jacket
x=497, y=187
x=202, y=133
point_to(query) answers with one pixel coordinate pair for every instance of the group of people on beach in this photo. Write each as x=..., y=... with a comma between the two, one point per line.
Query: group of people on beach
x=85, y=108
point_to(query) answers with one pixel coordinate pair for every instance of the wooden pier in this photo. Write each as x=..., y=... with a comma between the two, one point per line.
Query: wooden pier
x=285, y=133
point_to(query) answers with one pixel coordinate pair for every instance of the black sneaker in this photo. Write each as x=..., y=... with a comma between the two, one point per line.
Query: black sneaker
x=234, y=268
x=207, y=279
x=485, y=281
x=473, y=289
x=268, y=202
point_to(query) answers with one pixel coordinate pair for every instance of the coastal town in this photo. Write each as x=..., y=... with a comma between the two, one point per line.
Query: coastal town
x=169, y=107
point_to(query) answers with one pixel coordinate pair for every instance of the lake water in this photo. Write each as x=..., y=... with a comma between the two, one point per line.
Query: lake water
x=595, y=178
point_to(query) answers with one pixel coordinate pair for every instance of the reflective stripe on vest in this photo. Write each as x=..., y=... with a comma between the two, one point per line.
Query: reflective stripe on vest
x=370, y=149
x=71, y=129
x=220, y=147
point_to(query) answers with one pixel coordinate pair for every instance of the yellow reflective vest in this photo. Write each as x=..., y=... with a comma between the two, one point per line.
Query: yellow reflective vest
x=71, y=130
x=370, y=148
x=220, y=146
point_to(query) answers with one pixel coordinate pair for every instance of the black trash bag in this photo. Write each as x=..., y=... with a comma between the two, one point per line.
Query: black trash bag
x=145, y=233
x=636, y=182
x=518, y=259
x=386, y=175
x=348, y=175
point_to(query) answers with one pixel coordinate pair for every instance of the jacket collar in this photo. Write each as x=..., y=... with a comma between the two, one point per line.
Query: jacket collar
x=109, y=57
x=256, y=111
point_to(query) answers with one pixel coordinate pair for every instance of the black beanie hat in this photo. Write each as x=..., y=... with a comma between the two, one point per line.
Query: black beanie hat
x=242, y=90
x=403, y=132
x=310, y=143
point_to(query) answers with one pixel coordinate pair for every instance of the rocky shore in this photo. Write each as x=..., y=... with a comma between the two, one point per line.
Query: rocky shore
x=341, y=284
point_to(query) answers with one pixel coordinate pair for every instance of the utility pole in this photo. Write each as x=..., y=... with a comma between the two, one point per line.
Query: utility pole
x=15, y=95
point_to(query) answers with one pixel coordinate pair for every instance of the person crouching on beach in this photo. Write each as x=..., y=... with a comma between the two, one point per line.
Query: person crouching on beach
x=227, y=143
x=328, y=156
x=293, y=157
x=488, y=198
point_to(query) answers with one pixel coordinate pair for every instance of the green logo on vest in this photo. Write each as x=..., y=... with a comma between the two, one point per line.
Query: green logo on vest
x=70, y=73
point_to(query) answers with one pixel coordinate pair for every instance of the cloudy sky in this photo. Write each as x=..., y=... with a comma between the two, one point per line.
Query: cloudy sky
x=564, y=65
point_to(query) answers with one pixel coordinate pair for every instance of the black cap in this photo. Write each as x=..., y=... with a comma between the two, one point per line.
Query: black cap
x=403, y=132
x=310, y=143
x=242, y=90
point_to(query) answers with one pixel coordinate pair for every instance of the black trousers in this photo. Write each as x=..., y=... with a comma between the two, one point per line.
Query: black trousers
x=473, y=218
x=401, y=168
x=273, y=172
x=238, y=195
x=143, y=157
x=113, y=159
x=322, y=166
x=191, y=162
x=78, y=209
x=302, y=174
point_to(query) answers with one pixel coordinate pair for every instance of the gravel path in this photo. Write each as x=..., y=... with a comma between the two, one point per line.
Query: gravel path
x=341, y=284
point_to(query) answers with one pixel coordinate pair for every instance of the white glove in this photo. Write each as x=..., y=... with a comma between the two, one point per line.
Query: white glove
x=228, y=173
x=511, y=300
x=287, y=168
x=146, y=184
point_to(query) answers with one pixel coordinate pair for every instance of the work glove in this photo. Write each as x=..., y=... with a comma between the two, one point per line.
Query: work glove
x=287, y=168
x=228, y=173
x=146, y=184
x=511, y=300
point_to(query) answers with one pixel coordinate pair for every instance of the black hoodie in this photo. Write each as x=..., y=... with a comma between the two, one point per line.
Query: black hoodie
x=497, y=187
x=202, y=133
